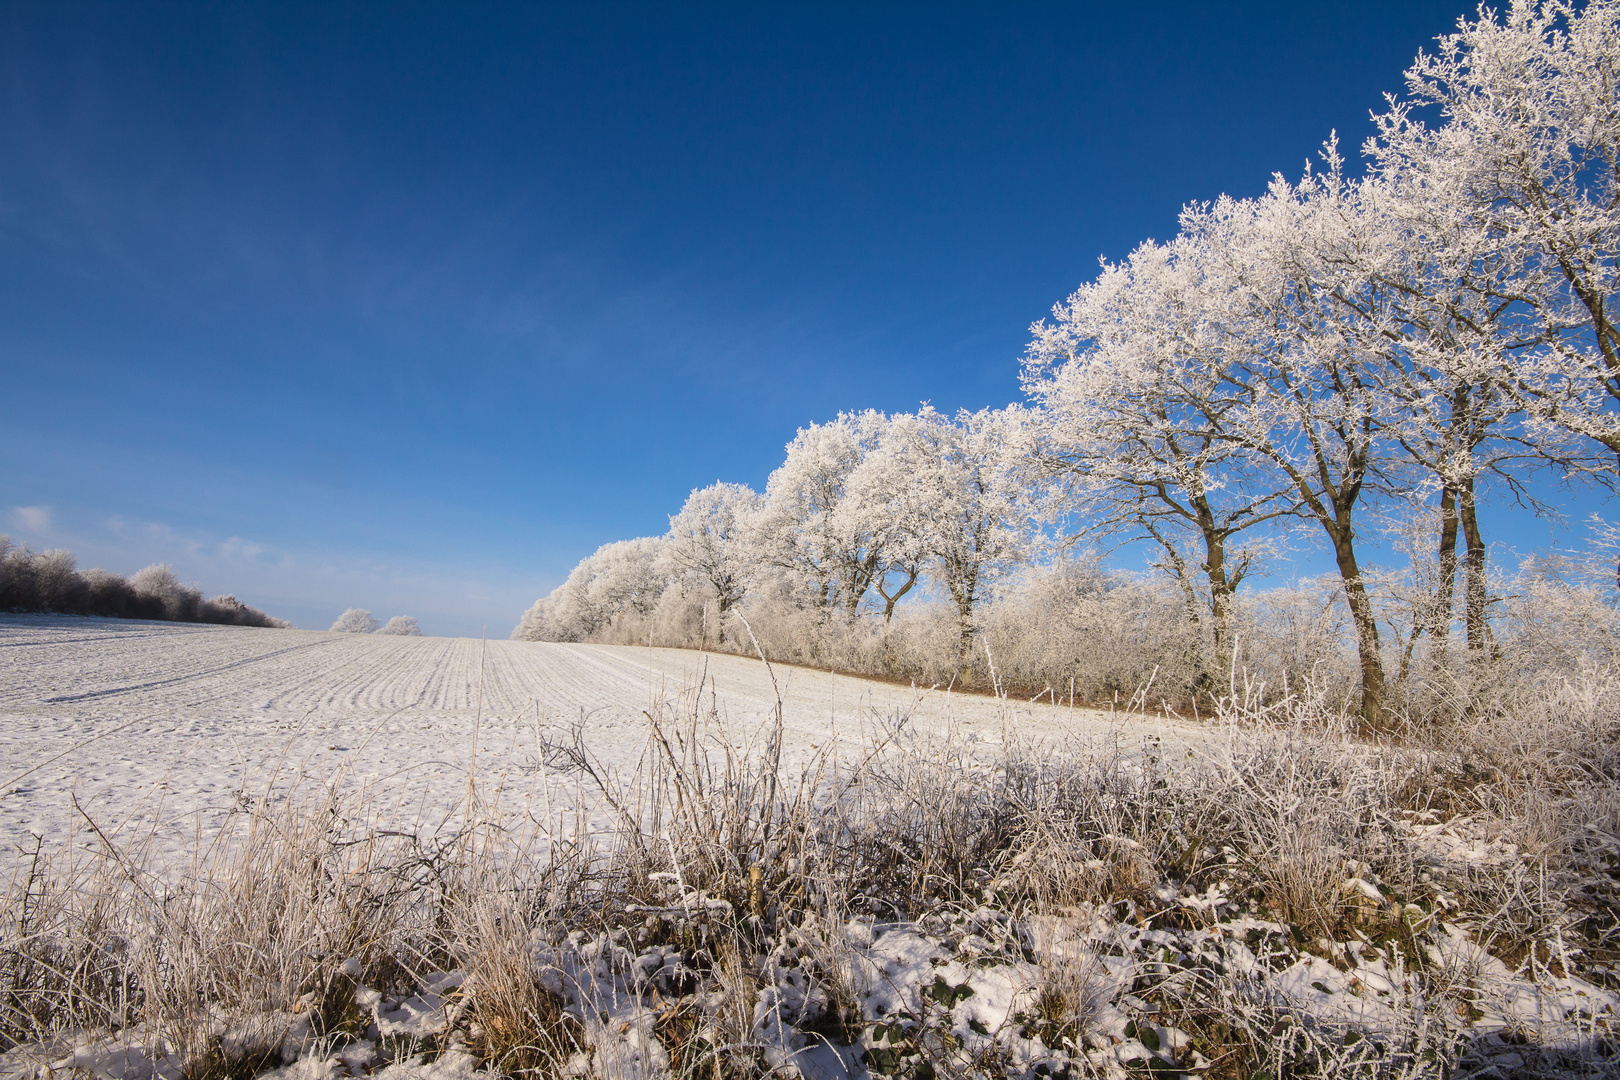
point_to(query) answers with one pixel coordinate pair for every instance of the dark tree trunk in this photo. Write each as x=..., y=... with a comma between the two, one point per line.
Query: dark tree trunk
x=862, y=575
x=1355, y=594
x=1446, y=588
x=1473, y=572
x=888, y=600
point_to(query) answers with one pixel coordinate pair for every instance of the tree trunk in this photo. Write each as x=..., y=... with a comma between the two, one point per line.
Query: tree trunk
x=1189, y=601
x=861, y=578
x=964, y=591
x=1355, y=594
x=964, y=616
x=1222, y=584
x=1439, y=620
x=890, y=601
x=1473, y=572
x=1222, y=589
x=1189, y=597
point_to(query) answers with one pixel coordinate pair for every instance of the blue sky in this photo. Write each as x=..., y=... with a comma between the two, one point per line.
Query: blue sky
x=410, y=307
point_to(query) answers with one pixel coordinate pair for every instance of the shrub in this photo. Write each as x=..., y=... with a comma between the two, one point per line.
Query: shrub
x=355, y=621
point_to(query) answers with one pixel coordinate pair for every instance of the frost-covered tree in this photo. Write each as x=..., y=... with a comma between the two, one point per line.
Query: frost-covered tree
x=160, y=585
x=1220, y=381
x=965, y=473
x=1304, y=407
x=1432, y=304
x=355, y=621
x=626, y=577
x=710, y=541
x=55, y=575
x=1420, y=332
x=401, y=626
x=1440, y=359
x=629, y=576
x=1134, y=400
x=1507, y=143
x=1502, y=157
x=894, y=515
x=811, y=525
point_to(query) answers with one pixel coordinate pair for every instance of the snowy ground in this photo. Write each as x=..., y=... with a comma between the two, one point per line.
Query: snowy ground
x=156, y=733
x=159, y=730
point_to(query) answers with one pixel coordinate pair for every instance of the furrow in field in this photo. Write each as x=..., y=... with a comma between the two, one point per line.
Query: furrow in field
x=223, y=710
x=63, y=638
x=40, y=674
x=190, y=676
x=301, y=688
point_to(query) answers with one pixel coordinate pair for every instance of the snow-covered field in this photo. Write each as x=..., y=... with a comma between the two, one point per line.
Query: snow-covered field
x=158, y=735
x=159, y=730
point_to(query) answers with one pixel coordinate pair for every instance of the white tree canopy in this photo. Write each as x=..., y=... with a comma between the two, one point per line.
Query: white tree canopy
x=890, y=511
x=356, y=621
x=626, y=576
x=710, y=540
x=965, y=478
x=401, y=626
x=1506, y=147
x=811, y=525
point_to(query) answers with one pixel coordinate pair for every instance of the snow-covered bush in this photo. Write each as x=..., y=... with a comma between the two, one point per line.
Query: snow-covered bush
x=402, y=626
x=355, y=621
x=1112, y=634
x=159, y=584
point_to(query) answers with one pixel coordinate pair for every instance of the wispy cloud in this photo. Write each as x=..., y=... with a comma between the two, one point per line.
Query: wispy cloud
x=309, y=586
x=237, y=548
x=167, y=538
x=166, y=541
x=34, y=519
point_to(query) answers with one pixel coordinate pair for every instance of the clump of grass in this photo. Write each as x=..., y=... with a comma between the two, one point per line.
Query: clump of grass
x=518, y=1025
x=1071, y=990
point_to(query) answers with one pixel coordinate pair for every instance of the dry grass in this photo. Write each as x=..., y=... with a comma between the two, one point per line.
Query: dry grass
x=725, y=872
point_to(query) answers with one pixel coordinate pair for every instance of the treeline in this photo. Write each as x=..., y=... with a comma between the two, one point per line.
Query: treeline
x=50, y=581
x=1070, y=628
x=1340, y=356
x=863, y=511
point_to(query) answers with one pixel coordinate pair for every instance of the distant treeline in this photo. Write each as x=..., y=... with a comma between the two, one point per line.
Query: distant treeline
x=51, y=581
